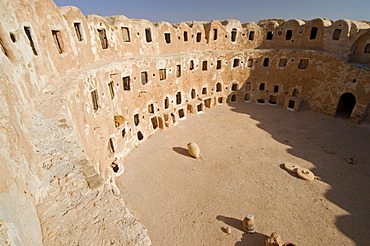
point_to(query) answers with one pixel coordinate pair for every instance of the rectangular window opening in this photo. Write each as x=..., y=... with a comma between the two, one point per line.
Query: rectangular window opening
x=185, y=36
x=103, y=38
x=313, y=33
x=251, y=35
x=336, y=34
x=58, y=40
x=167, y=37
x=214, y=34
x=126, y=83
x=283, y=62
x=154, y=121
x=273, y=99
x=276, y=88
x=233, y=35
x=291, y=104
x=166, y=103
x=266, y=62
x=199, y=37
x=27, y=30
x=178, y=71
x=234, y=87
x=204, y=65
x=111, y=89
x=78, y=31
x=161, y=122
x=236, y=62
x=303, y=63
x=148, y=35
x=151, y=108
x=125, y=34
x=181, y=113
x=144, y=77
x=162, y=74
x=289, y=34
x=200, y=107
x=204, y=91
x=191, y=65
x=94, y=98
x=136, y=119
x=270, y=35
x=367, y=49
x=218, y=66
x=250, y=63
x=208, y=103
x=178, y=98
x=262, y=87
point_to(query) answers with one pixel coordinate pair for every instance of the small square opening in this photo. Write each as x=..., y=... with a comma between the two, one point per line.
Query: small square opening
x=234, y=87
x=291, y=104
x=181, y=113
x=270, y=35
x=236, y=62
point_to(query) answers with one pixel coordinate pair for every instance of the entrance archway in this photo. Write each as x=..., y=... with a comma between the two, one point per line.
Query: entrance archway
x=345, y=106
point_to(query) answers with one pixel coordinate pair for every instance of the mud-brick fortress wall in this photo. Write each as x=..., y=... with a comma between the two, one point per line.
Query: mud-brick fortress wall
x=113, y=81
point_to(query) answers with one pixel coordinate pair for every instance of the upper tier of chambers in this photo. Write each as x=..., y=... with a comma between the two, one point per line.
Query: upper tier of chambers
x=68, y=38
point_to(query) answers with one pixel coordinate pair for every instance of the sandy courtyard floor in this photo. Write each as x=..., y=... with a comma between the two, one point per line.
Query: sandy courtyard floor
x=183, y=201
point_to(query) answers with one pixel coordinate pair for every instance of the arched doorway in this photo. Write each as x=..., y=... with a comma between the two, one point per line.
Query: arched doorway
x=346, y=104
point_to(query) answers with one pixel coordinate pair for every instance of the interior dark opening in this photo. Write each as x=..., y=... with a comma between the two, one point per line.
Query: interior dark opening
x=140, y=136
x=148, y=35
x=345, y=106
x=289, y=34
x=291, y=104
x=233, y=35
x=233, y=98
x=313, y=33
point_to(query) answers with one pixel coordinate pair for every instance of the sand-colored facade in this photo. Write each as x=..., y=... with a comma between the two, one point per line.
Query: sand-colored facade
x=78, y=89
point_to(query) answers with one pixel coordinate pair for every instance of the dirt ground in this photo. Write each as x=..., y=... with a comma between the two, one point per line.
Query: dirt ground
x=183, y=201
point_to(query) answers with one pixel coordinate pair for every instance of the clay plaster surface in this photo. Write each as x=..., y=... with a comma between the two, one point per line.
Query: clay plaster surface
x=184, y=201
x=62, y=87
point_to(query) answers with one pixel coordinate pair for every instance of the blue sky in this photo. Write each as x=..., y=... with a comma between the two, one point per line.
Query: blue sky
x=205, y=10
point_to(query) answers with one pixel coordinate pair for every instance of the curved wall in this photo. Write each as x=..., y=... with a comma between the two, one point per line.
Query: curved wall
x=112, y=77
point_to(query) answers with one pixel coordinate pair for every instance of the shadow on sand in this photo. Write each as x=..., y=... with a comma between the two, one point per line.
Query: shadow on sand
x=247, y=238
x=182, y=151
x=327, y=143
